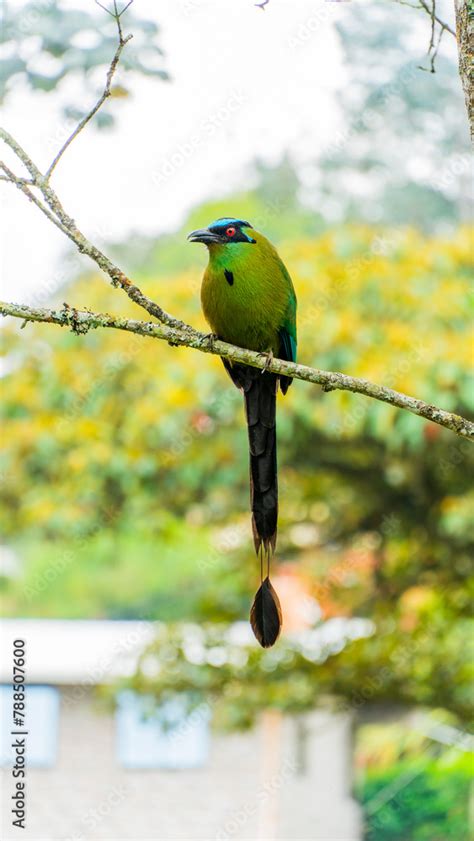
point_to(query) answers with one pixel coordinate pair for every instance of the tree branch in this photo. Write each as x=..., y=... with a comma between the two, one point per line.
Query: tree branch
x=23, y=184
x=171, y=329
x=67, y=225
x=56, y=212
x=465, y=39
x=423, y=4
x=83, y=321
x=106, y=92
x=435, y=39
x=434, y=17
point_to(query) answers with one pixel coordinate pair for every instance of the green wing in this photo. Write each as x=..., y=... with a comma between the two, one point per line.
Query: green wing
x=288, y=343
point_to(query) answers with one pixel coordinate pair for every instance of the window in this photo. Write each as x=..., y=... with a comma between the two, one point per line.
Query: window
x=41, y=722
x=169, y=737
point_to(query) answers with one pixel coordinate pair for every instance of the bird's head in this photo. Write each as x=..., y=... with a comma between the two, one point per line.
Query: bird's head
x=226, y=231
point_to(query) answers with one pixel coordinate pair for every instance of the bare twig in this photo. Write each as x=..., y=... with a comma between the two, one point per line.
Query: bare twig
x=115, y=14
x=82, y=321
x=429, y=6
x=431, y=11
x=67, y=225
x=434, y=16
x=15, y=179
x=171, y=329
x=435, y=40
x=53, y=209
x=410, y=5
x=23, y=184
x=434, y=52
x=106, y=92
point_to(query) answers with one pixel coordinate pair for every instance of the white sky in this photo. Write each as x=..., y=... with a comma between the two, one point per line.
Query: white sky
x=238, y=68
x=266, y=79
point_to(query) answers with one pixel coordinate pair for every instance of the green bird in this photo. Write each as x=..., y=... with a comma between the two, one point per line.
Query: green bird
x=248, y=300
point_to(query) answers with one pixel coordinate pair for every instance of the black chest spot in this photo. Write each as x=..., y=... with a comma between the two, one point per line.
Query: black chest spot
x=229, y=277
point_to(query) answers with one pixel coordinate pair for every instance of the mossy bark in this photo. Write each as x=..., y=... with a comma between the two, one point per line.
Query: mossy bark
x=465, y=39
x=82, y=321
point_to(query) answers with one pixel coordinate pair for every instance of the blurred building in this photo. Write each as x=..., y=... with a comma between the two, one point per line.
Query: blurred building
x=96, y=772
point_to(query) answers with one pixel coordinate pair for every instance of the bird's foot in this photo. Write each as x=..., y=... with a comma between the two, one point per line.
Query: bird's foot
x=268, y=361
x=210, y=339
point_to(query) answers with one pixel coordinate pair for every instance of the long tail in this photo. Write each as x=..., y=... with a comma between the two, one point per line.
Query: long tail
x=260, y=391
x=260, y=406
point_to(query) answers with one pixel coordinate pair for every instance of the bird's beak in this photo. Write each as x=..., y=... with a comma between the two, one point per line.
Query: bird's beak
x=204, y=235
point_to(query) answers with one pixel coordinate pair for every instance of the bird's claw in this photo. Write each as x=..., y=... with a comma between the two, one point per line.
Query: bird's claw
x=268, y=361
x=211, y=338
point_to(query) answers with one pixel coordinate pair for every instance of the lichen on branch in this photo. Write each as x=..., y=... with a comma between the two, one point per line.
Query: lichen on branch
x=80, y=321
x=37, y=189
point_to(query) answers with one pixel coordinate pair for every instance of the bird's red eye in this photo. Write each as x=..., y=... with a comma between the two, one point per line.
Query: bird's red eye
x=230, y=232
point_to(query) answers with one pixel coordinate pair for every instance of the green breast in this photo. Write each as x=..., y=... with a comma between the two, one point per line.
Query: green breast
x=245, y=298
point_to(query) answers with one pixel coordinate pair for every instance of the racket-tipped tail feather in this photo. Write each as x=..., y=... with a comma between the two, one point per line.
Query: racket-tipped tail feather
x=265, y=615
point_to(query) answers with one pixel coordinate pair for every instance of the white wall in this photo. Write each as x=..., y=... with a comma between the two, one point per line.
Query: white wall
x=280, y=781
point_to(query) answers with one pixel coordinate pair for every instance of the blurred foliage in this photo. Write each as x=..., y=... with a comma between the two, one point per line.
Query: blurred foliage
x=345, y=664
x=402, y=154
x=43, y=43
x=413, y=778
x=120, y=574
x=223, y=666
x=127, y=476
x=429, y=802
